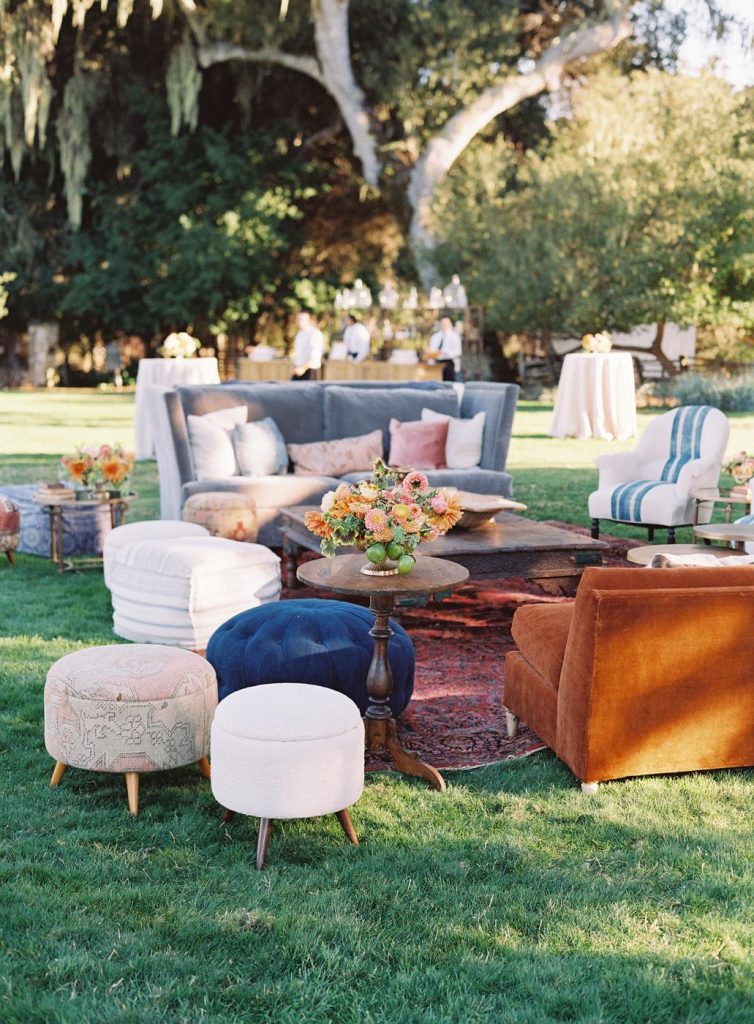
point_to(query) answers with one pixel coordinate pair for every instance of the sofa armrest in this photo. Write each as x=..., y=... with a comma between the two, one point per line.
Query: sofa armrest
x=697, y=473
x=498, y=401
x=618, y=468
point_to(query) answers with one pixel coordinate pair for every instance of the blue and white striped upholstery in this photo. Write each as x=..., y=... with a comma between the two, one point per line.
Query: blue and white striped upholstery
x=679, y=453
x=685, y=444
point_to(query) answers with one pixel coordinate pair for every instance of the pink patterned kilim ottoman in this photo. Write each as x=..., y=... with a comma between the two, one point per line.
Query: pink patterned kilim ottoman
x=129, y=708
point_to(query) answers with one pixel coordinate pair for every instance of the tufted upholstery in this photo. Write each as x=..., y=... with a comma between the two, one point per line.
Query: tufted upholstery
x=325, y=643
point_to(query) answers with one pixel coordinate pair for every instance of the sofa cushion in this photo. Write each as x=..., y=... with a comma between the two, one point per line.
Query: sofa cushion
x=541, y=634
x=334, y=458
x=210, y=440
x=365, y=409
x=296, y=408
x=418, y=444
x=463, y=448
x=260, y=448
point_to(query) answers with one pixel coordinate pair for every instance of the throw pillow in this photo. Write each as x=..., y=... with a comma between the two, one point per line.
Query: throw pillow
x=260, y=448
x=336, y=458
x=418, y=443
x=463, y=449
x=211, y=446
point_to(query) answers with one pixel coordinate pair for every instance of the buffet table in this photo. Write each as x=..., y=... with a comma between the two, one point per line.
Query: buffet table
x=596, y=397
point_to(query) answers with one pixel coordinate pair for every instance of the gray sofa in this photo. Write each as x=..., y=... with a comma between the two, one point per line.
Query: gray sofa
x=315, y=411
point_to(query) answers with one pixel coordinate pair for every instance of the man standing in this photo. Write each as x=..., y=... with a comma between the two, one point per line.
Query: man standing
x=445, y=349
x=308, y=346
x=356, y=338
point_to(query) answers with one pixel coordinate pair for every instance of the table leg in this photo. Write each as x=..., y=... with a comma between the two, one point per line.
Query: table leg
x=380, y=726
x=290, y=561
x=56, y=536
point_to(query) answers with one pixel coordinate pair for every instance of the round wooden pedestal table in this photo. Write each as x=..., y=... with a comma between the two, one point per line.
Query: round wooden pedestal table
x=735, y=534
x=342, y=575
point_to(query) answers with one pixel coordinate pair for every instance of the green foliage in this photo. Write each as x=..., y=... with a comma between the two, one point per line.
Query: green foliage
x=639, y=209
x=196, y=230
x=729, y=393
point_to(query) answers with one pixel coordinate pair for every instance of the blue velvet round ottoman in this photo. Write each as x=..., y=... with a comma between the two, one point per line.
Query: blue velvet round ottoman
x=326, y=643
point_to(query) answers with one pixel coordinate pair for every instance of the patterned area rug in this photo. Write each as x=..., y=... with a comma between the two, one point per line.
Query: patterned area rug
x=456, y=718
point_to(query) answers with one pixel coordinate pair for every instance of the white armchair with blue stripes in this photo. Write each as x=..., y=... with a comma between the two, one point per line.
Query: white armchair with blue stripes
x=652, y=486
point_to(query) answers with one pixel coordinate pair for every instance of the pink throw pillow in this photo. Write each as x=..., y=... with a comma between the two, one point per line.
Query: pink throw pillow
x=418, y=444
x=336, y=458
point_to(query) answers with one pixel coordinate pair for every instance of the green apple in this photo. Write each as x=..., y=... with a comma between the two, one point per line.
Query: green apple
x=376, y=553
x=394, y=551
x=406, y=563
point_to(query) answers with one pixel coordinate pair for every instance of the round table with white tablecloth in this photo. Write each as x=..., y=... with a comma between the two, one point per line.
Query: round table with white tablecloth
x=162, y=373
x=596, y=397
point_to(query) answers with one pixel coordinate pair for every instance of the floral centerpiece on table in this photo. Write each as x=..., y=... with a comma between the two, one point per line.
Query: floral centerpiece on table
x=601, y=342
x=180, y=345
x=99, y=467
x=385, y=517
x=741, y=467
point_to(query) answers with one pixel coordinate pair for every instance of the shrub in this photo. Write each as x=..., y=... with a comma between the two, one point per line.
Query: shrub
x=731, y=394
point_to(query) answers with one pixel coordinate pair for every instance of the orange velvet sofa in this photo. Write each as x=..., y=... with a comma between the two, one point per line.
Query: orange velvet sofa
x=647, y=671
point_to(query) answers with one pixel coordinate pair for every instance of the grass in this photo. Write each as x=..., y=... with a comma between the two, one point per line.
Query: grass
x=510, y=898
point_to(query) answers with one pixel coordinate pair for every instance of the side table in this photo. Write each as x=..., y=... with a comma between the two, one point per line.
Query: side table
x=342, y=575
x=735, y=534
x=726, y=497
x=118, y=509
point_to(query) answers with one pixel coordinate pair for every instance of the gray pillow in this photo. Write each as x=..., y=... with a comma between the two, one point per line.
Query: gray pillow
x=260, y=448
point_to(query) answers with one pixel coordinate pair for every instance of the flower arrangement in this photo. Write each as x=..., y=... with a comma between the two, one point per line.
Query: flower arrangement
x=179, y=345
x=601, y=342
x=741, y=467
x=387, y=518
x=99, y=466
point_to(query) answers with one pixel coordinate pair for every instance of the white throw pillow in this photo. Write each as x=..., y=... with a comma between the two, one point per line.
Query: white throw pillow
x=210, y=440
x=260, y=448
x=463, y=449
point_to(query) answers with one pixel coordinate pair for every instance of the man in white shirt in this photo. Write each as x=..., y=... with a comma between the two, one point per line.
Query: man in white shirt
x=445, y=348
x=356, y=338
x=308, y=346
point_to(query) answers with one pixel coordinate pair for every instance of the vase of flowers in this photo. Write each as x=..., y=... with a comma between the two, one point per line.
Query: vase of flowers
x=98, y=471
x=741, y=468
x=385, y=518
x=179, y=345
x=601, y=342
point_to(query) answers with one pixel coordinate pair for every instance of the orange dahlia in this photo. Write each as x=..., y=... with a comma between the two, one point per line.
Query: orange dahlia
x=315, y=522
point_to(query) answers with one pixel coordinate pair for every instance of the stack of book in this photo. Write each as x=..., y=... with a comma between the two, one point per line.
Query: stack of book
x=52, y=494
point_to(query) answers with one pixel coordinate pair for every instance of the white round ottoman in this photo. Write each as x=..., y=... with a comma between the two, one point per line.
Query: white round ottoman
x=287, y=750
x=150, y=529
x=179, y=590
x=129, y=708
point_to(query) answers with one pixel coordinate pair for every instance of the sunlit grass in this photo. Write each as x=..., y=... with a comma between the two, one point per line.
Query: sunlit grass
x=509, y=898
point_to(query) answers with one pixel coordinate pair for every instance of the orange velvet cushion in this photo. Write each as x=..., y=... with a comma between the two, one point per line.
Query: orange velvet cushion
x=541, y=634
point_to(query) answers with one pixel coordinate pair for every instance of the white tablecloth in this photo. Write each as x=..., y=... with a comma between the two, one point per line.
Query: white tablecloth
x=162, y=373
x=596, y=397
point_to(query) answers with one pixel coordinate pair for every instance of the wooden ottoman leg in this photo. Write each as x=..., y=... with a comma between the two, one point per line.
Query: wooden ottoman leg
x=511, y=725
x=11, y=557
x=263, y=841
x=132, y=788
x=347, y=825
x=204, y=768
x=57, y=773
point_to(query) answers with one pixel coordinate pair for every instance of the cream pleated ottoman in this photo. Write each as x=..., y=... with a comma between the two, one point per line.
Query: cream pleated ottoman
x=179, y=590
x=224, y=513
x=287, y=750
x=150, y=529
x=129, y=708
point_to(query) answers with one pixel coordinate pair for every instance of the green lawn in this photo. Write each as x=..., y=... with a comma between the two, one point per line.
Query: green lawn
x=510, y=898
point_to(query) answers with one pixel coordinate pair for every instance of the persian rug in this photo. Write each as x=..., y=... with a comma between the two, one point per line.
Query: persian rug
x=456, y=717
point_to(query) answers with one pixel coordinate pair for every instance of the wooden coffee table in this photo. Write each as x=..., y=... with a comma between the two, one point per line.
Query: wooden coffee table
x=509, y=546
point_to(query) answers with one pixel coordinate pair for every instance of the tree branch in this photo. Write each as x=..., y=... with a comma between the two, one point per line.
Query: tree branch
x=217, y=53
x=443, y=149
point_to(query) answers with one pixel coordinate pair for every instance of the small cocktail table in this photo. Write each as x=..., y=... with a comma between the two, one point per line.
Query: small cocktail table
x=728, y=497
x=342, y=575
x=508, y=546
x=735, y=534
x=118, y=508
x=645, y=554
